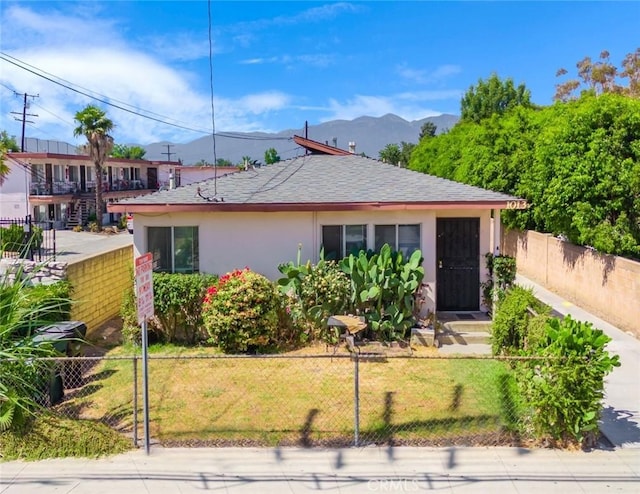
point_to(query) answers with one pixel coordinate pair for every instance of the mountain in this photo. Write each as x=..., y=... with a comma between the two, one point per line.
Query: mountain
x=371, y=134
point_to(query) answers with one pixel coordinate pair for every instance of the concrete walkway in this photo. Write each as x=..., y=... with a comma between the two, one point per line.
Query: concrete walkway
x=621, y=415
x=459, y=470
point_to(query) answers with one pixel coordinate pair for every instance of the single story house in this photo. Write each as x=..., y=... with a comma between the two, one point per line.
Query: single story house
x=340, y=203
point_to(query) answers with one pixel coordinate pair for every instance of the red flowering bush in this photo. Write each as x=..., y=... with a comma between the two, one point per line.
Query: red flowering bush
x=240, y=312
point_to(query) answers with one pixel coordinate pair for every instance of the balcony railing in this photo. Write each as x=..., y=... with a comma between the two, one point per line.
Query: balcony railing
x=67, y=187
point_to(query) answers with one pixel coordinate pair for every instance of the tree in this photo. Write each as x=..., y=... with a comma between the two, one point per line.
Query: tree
x=95, y=126
x=8, y=144
x=391, y=154
x=406, y=148
x=428, y=129
x=271, y=156
x=223, y=162
x=492, y=96
x=601, y=77
x=128, y=152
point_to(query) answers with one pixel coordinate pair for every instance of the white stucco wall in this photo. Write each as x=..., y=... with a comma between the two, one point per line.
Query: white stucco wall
x=264, y=240
x=14, y=198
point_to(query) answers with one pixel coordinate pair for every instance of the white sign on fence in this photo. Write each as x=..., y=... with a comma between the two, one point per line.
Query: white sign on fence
x=144, y=286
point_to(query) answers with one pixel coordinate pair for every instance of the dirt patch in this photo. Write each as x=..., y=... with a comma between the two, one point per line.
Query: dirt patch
x=105, y=337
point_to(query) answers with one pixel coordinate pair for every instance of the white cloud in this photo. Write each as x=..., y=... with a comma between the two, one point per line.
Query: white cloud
x=110, y=69
x=424, y=76
x=315, y=60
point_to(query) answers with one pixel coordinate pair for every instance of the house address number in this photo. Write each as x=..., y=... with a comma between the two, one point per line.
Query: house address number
x=517, y=204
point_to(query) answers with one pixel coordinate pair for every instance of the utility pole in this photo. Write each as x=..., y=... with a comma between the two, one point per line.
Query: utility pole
x=169, y=153
x=24, y=115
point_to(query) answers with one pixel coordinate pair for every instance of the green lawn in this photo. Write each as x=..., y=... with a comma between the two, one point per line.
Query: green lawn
x=303, y=400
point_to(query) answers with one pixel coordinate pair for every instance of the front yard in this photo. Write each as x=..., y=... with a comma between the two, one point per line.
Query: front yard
x=305, y=397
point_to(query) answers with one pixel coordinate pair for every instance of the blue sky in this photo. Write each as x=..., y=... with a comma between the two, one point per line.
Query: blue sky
x=277, y=64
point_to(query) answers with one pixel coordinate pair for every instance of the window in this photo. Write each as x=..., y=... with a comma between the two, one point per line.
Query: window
x=339, y=241
x=175, y=248
x=403, y=238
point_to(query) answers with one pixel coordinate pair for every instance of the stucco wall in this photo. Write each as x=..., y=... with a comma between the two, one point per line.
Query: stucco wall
x=99, y=283
x=608, y=286
x=262, y=241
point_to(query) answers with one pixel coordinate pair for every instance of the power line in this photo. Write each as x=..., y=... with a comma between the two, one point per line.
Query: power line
x=104, y=100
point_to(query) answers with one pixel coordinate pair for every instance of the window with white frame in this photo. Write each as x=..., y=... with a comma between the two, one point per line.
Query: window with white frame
x=175, y=249
x=402, y=238
x=339, y=241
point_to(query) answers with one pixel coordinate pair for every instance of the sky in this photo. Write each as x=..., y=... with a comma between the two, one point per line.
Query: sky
x=275, y=65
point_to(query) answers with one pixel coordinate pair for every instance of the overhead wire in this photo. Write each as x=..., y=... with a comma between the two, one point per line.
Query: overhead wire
x=107, y=100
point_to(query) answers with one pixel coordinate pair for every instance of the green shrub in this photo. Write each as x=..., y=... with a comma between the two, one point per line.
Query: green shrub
x=564, y=390
x=240, y=312
x=131, y=331
x=178, y=306
x=45, y=304
x=504, y=270
x=12, y=238
x=512, y=318
x=313, y=293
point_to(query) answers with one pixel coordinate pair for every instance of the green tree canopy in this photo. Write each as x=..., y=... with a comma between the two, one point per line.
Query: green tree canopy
x=577, y=163
x=8, y=144
x=128, y=152
x=492, y=96
x=391, y=154
x=96, y=127
x=428, y=129
x=271, y=156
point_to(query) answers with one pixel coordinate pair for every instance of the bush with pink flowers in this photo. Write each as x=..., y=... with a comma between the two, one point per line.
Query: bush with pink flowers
x=240, y=312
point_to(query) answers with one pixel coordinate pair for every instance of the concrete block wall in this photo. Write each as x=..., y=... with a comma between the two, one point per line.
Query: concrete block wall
x=99, y=283
x=605, y=285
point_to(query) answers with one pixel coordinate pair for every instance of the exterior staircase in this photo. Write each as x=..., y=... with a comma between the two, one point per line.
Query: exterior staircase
x=80, y=213
x=468, y=333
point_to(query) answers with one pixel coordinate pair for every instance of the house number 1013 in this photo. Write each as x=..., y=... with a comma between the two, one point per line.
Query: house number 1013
x=521, y=204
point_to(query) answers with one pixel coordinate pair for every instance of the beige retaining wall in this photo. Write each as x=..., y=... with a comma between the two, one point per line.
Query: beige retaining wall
x=99, y=283
x=605, y=285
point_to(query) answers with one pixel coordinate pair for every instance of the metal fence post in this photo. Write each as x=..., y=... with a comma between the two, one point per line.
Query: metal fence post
x=356, y=400
x=135, y=401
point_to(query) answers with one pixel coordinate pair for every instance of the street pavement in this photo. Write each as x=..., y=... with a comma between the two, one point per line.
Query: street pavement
x=368, y=469
x=355, y=470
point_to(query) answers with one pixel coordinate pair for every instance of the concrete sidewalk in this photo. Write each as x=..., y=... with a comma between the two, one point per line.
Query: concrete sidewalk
x=292, y=470
x=620, y=421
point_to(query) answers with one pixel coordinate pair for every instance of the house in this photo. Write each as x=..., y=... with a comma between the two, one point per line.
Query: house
x=339, y=203
x=60, y=188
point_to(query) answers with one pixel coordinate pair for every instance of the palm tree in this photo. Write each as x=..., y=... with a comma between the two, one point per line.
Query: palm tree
x=95, y=126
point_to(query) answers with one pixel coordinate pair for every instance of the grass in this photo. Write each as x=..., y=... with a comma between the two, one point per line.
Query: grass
x=306, y=400
x=50, y=436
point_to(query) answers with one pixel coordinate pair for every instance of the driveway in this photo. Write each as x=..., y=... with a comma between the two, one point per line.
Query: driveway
x=73, y=246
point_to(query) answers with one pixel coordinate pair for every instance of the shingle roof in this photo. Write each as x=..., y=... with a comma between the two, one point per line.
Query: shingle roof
x=323, y=179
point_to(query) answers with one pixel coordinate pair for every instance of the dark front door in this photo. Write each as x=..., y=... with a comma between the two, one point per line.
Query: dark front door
x=458, y=264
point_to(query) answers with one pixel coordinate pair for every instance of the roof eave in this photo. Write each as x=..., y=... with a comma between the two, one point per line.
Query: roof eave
x=298, y=207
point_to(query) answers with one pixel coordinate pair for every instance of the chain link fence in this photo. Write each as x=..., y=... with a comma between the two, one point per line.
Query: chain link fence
x=304, y=400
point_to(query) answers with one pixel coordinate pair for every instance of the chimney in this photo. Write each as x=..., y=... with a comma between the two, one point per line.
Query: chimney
x=335, y=142
x=172, y=183
x=352, y=147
